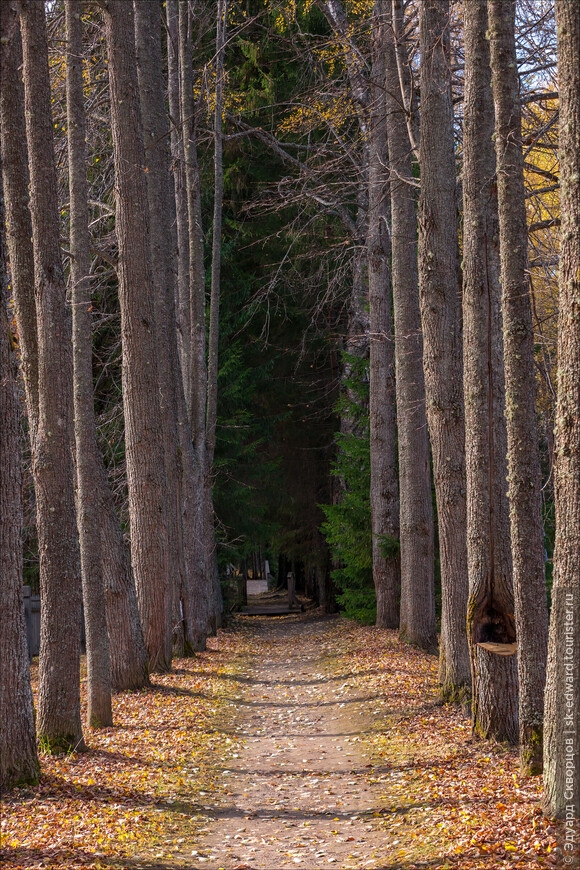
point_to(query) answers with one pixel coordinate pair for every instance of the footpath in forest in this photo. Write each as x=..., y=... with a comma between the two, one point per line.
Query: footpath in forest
x=298, y=741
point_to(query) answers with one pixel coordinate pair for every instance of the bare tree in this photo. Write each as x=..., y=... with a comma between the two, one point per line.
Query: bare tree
x=143, y=428
x=384, y=495
x=562, y=715
x=18, y=756
x=531, y=613
x=59, y=718
x=201, y=523
x=490, y=610
x=440, y=297
x=18, y=222
x=155, y=131
x=179, y=460
x=417, y=619
x=99, y=712
x=178, y=168
x=213, y=336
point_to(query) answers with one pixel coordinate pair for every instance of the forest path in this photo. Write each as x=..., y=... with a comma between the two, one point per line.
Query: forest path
x=300, y=787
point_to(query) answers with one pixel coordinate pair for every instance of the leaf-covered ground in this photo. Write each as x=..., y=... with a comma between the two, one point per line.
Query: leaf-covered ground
x=294, y=742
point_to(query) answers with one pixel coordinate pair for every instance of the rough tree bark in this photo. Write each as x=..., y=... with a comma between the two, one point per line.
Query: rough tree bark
x=156, y=138
x=489, y=562
x=417, y=618
x=440, y=296
x=213, y=336
x=127, y=650
x=562, y=713
x=181, y=233
x=18, y=223
x=384, y=495
x=531, y=612
x=143, y=429
x=59, y=714
x=177, y=460
x=199, y=530
x=99, y=712
x=18, y=756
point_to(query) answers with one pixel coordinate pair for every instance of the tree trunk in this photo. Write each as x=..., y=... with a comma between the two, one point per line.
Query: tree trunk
x=99, y=713
x=417, y=617
x=18, y=756
x=18, y=224
x=59, y=713
x=440, y=296
x=384, y=495
x=213, y=338
x=143, y=429
x=489, y=563
x=527, y=534
x=196, y=266
x=128, y=653
x=198, y=371
x=181, y=231
x=149, y=60
x=156, y=136
x=562, y=716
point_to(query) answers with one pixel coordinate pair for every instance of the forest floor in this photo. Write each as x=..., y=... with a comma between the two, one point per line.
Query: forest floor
x=300, y=741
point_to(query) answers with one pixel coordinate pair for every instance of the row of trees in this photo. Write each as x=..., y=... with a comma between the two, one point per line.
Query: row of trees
x=164, y=597
x=423, y=323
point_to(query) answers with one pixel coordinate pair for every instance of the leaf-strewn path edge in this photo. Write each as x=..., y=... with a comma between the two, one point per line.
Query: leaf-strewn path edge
x=305, y=741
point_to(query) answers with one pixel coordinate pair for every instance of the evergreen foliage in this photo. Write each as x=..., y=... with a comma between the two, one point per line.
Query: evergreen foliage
x=348, y=522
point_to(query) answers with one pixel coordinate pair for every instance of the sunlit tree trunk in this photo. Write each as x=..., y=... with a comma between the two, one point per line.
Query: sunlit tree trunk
x=489, y=563
x=384, y=496
x=18, y=756
x=99, y=712
x=440, y=296
x=531, y=613
x=59, y=717
x=179, y=460
x=18, y=223
x=156, y=138
x=417, y=617
x=562, y=714
x=143, y=428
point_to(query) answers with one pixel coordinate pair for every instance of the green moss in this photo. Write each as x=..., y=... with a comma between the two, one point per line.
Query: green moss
x=62, y=744
x=455, y=694
x=531, y=757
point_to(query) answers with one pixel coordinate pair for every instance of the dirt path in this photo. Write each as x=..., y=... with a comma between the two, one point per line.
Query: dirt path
x=297, y=786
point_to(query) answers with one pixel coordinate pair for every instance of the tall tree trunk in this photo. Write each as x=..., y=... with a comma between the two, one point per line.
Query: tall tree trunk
x=156, y=137
x=562, y=715
x=527, y=535
x=417, y=617
x=201, y=534
x=149, y=61
x=143, y=429
x=196, y=266
x=99, y=713
x=213, y=337
x=440, y=296
x=384, y=496
x=181, y=232
x=18, y=756
x=212, y=374
x=59, y=713
x=18, y=223
x=489, y=563
x=128, y=653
